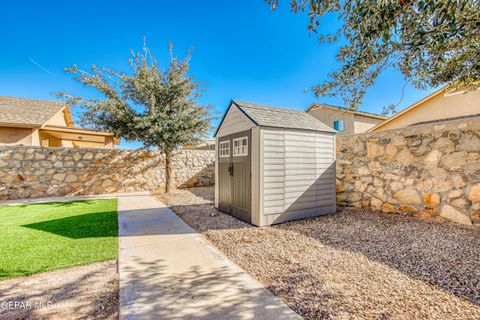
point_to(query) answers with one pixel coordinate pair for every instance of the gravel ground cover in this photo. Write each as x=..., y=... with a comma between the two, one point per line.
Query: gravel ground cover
x=356, y=264
x=86, y=292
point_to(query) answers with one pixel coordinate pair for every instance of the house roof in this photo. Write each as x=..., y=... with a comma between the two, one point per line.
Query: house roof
x=27, y=112
x=408, y=109
x=361, y=113
x=76, y=130
x=78, y=134
x=280, y=117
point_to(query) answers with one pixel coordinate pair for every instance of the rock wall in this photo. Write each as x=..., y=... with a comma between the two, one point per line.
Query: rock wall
x=28, y=172
x=429, y=170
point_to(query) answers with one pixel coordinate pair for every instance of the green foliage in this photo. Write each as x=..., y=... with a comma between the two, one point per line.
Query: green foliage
x=157, y=107
x=432, y=42
x=44, y=237
x=154, y=106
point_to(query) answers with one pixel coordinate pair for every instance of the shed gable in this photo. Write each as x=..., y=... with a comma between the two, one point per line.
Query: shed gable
x=234, y=121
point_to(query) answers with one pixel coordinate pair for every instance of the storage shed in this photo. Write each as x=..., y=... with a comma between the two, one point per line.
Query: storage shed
x=273, y=164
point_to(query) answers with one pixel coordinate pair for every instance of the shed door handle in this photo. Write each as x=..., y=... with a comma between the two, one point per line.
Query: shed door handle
x=230, y=169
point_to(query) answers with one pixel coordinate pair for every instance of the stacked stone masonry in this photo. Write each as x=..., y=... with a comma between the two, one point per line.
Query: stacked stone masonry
x=427, y=171
x=29, y=172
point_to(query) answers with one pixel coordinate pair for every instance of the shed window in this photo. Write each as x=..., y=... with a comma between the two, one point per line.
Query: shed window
x=338, y=125
x=240, y=146
x=224, y=149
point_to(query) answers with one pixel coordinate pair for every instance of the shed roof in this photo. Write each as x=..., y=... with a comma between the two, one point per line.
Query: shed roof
x=27, y=112
x=280, y=117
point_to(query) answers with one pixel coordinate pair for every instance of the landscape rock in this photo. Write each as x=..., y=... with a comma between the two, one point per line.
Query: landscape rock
x=388, y=208
x=433, y=157
x=391, y=150
x=431, y=199
x=452, y=214
x=408, y=195
x=59, y=176
x=407, y=208
x=374, y=150
x=405, y=157
x=458, y=181
x=418, y=170
x=455, y=194
x=376, y=203
x=40, y=172
x=474, y=193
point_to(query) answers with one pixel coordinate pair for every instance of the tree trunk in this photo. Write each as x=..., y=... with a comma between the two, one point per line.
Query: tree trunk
x=167, y=171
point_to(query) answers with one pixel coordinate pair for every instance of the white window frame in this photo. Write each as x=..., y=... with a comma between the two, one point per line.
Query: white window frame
x=221, y=147
x=236, y=150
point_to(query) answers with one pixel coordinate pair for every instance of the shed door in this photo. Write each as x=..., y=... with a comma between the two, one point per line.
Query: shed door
x=234, y=175
x=224, y=176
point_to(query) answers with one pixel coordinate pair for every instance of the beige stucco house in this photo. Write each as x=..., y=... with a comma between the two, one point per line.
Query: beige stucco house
x=439, y=106
x=344, y=120
x=46, y=123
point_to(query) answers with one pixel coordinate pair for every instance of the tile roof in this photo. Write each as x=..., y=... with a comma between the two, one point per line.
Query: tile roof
x=27, y=112
x=281, y=118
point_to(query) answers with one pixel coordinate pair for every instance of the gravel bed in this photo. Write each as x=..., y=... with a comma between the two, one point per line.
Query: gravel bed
x=356, y=264
x=85, y=292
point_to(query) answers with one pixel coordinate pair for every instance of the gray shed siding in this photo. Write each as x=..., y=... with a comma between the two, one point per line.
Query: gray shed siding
x=297, y=174
x=235, y=121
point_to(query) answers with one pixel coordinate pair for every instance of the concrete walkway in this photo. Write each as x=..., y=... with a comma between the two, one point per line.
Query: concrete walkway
x=168, y=271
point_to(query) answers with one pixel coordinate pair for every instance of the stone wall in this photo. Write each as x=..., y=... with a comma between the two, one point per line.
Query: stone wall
x=429, y=170
x=27, y=172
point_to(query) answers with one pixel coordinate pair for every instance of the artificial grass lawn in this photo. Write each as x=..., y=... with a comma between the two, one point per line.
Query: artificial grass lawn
x=43, y=237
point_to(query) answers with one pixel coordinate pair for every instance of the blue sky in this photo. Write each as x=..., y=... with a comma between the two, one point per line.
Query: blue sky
x=241, y=49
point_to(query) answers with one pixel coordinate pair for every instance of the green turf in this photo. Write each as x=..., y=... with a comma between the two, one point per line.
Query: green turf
x=43, y=237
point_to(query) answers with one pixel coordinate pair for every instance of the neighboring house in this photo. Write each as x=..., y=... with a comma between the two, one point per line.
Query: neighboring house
x=344, y=120
x=206, y=144
x=437, y=107
x=45, y=123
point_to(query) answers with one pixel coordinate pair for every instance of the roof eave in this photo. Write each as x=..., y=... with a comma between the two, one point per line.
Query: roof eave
x=223, y=118
x=408, y=109
x=20, y=125
x=332, y=131
x=76, y=130
x=360, y=113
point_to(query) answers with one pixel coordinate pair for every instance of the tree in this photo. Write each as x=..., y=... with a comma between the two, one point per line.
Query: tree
x=157, y=107
x=432, y=43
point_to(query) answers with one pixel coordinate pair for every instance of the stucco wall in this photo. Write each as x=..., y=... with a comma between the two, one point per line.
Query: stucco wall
x=38, y=172
x=15, y=136
x=362, y=124
x=353, y=123
x=327, y=116
x=427, y=170
x=53, y=141
x=58, y=120
x=440, y=107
